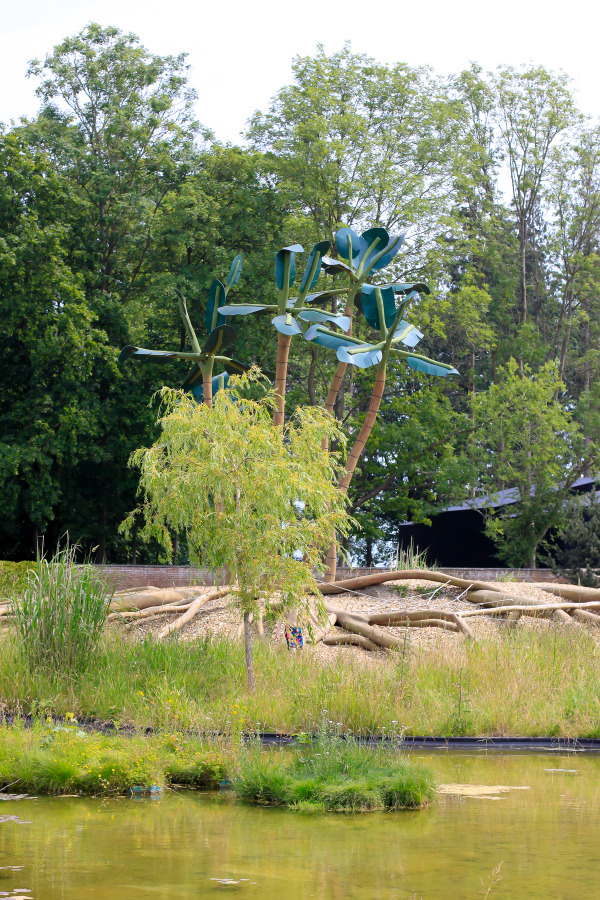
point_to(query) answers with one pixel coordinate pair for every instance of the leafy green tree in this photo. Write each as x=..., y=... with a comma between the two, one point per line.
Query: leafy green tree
x=247, y=498
x=529, y=443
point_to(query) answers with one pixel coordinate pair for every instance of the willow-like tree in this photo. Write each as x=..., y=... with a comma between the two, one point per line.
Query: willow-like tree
x=277, y=498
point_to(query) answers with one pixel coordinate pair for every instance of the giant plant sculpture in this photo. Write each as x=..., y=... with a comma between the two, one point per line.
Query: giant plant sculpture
x=200, y=380
x=378, y=305
x=289, y=310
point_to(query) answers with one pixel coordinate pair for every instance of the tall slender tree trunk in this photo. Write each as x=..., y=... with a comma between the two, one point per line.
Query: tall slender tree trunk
x=312, y=394
x=248, y=654
x=207, y=388
x=134, y=532
x=355, y=454
x=523, y=242
x=283, y=352
x=367, y=427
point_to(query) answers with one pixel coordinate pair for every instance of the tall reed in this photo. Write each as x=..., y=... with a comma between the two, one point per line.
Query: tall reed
x=61, y=612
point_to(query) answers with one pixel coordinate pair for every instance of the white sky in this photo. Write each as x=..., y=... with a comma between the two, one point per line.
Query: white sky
x=241, y=52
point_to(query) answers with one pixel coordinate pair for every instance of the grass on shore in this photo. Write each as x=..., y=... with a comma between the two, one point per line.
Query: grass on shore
x=526, y=682
x=62, y=759
x=332, y=774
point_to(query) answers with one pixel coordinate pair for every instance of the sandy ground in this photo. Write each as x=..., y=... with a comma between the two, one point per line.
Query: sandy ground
x=219, y=618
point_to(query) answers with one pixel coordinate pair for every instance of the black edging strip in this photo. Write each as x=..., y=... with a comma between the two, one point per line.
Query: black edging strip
x=409, y=742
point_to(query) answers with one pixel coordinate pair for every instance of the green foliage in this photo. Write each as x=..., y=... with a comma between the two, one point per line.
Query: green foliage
x=334, y=773
x=61, y=612
x=527, y=441
x=524, y=682
x=246, y=496
x=576, y=552
x=54, y=759
x=13, y=578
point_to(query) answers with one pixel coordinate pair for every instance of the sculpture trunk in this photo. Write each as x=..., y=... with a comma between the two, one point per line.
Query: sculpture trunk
x=355, y=454
x=207, y=387
x=367, y=427
x=283, y=352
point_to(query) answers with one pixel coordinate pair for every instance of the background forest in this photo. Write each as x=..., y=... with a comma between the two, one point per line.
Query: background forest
x=114, y=195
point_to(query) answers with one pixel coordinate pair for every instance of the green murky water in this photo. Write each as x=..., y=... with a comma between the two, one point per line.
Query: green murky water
x=547, y=837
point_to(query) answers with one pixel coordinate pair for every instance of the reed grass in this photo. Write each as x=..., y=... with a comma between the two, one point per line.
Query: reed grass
x=61, y=612
x=528, y=682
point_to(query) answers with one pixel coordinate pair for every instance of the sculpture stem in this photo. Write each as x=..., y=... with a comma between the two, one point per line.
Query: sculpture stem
x=283, y=352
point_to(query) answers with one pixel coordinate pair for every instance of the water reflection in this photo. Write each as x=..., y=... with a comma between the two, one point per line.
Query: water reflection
x=193, y=845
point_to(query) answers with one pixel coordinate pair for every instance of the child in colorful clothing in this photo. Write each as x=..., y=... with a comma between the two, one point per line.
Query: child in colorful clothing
x=293, y=632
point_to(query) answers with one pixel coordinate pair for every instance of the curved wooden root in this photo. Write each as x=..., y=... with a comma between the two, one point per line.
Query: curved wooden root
x=192, y=610
x=143, y=598
x=130, y=616
x=491, y=598
x=355, y=640
x=356, y=626
x=363, y=581
x=321, y=635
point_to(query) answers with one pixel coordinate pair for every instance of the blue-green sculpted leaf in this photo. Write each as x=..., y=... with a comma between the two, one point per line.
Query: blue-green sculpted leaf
x=393, y=248
x=408, y=334
x=192, y=377
x=328, y=338
x=280, y=258
x=348, y=243
x=322, y=296
x=220, y=338
x=243, y=309
x=158, y=356
x=216, y=297
x=334, y=266
x=374, y=238
x=234, y=272
x=402, y=288
x=286, y=325
x=316, y=258
x=235, y=367
x=370, y=357
x=317, y=315
x=430, y=368
x=369, y=305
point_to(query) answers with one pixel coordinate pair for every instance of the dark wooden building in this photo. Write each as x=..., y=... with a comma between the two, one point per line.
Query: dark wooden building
x=456, y=536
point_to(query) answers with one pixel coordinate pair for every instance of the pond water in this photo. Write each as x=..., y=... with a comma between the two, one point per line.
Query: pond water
x=547, y=839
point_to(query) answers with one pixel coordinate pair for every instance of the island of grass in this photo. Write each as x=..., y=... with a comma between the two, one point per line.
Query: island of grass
x=332, y=773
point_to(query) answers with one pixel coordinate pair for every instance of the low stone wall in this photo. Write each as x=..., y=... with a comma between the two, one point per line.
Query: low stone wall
x=129, y=576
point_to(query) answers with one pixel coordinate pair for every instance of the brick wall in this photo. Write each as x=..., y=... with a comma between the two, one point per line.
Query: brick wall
x=129, y=576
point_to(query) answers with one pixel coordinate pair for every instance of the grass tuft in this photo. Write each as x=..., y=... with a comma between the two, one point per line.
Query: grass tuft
x=334, y=773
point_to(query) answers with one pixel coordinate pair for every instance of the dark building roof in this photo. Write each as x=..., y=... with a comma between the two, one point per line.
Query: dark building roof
x=456, y=536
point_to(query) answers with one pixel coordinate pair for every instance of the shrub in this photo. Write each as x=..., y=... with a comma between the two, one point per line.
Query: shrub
x=13, y=578
x=61, y=612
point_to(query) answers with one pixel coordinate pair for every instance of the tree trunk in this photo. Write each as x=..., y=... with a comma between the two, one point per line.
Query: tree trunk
x=134, y=532
x=248, y=654
x=207, y=388
x=354, y=456
x=101, y=548
x=369, y=559
x=283, y=352
x=367, y=428
x=334, y=387
x=314, y=353
x=174, y=556
x=523, y=241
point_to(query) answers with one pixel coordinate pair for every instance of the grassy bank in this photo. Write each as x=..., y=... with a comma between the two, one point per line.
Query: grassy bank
x=332, y=774
x=63, y=759
x=522, y=683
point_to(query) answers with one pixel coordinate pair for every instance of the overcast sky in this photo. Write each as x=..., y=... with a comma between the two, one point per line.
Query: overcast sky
x=241, y=52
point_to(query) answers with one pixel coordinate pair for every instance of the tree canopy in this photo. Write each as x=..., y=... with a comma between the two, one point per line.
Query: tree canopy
x=114, y=196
